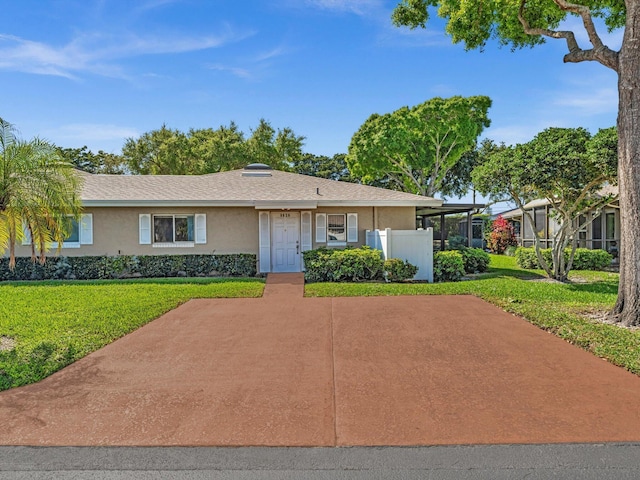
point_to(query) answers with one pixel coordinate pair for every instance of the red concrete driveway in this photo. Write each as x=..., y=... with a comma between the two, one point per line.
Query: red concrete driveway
x=287, y=370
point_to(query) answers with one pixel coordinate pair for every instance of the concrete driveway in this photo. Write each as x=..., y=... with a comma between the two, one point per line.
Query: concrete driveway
x=284, y=370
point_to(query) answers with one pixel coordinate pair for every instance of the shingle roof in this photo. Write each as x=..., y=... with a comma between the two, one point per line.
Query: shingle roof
x=605, y=191
x=238, y=187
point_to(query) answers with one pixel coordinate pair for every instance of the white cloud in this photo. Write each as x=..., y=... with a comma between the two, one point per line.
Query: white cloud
x=419, y=37
x=98, y=53
x=594, y=102
x=90, y=134
x=513, y=134
x=153, y=4
x=359, y=7
x=252, y=67
x=237, y=71
x=273, y=53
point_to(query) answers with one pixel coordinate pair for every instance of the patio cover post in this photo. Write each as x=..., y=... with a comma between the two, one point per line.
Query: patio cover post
x=442, y=232
x=469, y=229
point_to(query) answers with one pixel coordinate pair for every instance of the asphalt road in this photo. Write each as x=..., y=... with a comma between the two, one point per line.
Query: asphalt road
x=531, y=462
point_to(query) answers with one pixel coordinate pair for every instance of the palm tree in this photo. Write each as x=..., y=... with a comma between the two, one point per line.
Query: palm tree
x=39, y=194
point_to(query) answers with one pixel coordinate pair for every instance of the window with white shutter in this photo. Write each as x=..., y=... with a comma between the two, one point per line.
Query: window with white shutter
x=352, y=227
x=264, y=235
x=201, y=228
x=86, y=229
x=321, y=228
x=305, y=231
x=145, y=228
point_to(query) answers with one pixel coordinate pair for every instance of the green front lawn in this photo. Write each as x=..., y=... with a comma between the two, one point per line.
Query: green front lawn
x=45, y=326
x=564, y=309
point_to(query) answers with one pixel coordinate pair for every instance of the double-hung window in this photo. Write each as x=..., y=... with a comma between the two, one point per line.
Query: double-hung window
x=166, y=230
x=173, y=229
x=336, y=229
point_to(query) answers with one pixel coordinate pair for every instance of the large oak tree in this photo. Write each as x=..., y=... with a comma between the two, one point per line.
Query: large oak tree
x=415, y=147
x=523, y=23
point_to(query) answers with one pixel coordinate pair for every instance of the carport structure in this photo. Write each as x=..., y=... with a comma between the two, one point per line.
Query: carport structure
x=284, y=370
x=426, y=213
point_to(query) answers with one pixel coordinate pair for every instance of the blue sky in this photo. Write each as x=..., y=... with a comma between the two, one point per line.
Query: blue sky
x=94, y=72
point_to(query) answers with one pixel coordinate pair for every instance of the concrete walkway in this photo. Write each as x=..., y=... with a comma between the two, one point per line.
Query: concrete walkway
x=284, y=370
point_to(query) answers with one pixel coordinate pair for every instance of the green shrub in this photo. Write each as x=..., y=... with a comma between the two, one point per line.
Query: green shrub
x=397, y=270
x=317, y=264
x=526, y=257
x=583, y=259
x=475, y=260
x=511, y=251
x=448, y=266
x=150, y=266
x=457, y=242
x=340, y=265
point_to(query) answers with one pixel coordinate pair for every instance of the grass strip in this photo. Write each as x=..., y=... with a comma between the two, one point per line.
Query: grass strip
x=45, y=326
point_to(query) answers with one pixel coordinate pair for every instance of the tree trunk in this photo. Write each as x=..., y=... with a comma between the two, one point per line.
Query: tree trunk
x=627, y=308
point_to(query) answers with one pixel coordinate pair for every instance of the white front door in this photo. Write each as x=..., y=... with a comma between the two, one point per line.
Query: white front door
x=285, y=242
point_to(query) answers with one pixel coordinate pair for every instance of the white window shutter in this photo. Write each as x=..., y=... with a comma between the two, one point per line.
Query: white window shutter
x=201, y=227
x=321, y=228
x=86, y=229
x=26, y=239
x=352, y=227
x=264, y=235
x=145, y=228
x=305, y=231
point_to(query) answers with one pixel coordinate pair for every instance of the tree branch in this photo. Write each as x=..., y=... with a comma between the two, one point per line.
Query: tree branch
x=406, y=171
x=599, y=53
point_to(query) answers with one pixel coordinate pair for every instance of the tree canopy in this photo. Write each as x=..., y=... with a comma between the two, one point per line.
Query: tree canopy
x=415, y=147
x=333, y=168
x=199, y=151
x=519, y=23
x=567, y=167
x=39, y=193
x=101, y=162
x=524, y=23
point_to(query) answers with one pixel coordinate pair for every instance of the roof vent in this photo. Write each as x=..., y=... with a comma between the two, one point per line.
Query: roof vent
x=257, y=170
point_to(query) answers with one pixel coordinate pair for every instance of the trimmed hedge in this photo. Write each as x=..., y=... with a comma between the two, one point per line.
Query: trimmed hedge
x=475, y=260
x=397, y=270
x=448, y=266
x=124, y=266
x=583, y=259
x=353, y=265
x=343, y=265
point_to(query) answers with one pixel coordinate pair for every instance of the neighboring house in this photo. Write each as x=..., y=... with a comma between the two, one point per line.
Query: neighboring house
x=273, y=214
x=602, y=233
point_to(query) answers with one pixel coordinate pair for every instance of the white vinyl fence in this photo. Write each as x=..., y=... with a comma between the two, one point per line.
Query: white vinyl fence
x=414, y=246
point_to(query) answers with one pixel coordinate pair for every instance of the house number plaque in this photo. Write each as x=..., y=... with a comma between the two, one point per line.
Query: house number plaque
x=285, y=215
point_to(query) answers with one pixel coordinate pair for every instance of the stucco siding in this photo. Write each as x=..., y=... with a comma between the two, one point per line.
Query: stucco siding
x=116, y=232
x=229, y=229
x=396, y=218
x=371, y=218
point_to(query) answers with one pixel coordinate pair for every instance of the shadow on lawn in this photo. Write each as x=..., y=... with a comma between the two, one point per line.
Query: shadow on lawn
x=513, y=273
x=608, y=287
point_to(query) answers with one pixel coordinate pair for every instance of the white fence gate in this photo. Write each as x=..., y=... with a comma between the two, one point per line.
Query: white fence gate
x=414, y=246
